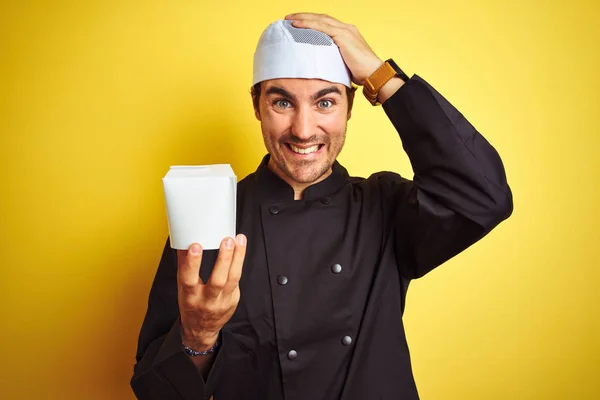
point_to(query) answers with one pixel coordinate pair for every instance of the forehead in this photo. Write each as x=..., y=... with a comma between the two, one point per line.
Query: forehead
x=299, y=86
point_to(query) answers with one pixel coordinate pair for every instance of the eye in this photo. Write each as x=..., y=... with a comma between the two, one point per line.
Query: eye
x=325, y=103
x=282, y=103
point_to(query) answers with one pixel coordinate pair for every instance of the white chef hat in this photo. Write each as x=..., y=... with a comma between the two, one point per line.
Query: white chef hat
x=284, y=51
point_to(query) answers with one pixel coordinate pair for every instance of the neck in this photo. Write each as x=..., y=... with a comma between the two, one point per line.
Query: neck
x=298, y=187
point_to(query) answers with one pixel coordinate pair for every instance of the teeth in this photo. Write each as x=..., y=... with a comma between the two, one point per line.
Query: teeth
x=304, y=151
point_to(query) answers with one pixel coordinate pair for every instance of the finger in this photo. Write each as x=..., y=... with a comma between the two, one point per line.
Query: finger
x=235, y=271
x=316, y=17
x=218, y=277
x=321, y=26
x=188, y=267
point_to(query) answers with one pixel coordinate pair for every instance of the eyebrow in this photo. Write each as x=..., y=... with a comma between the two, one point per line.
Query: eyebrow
x=326, y=91
x=284, y=93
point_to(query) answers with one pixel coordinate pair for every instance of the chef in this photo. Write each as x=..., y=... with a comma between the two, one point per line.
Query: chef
x=306, y=302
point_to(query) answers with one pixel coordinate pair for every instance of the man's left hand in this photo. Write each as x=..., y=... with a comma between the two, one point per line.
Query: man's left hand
x=360, y=59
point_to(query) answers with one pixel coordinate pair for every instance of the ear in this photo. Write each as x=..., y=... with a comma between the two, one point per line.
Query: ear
x=351, y=103
x=256, y=110
x=257, y=114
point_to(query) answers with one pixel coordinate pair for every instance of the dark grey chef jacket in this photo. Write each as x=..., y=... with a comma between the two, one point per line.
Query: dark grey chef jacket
x=324, y=280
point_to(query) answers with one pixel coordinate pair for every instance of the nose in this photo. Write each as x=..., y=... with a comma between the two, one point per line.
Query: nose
x=303, y=124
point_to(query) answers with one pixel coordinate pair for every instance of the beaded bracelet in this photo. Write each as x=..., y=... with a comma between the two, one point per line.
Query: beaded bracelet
x=191, y=352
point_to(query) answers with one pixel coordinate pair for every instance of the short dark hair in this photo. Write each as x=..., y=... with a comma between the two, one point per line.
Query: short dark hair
x=255, y=91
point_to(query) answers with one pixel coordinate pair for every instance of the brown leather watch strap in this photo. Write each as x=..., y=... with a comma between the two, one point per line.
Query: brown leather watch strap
x=375, y=82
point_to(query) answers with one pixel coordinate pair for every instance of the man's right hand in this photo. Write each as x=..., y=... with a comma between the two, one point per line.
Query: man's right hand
x=205, y=307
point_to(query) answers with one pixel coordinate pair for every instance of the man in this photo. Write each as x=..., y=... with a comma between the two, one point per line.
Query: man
x=317, y=311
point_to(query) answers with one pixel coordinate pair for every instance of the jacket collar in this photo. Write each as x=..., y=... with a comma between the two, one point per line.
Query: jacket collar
x=272, y=187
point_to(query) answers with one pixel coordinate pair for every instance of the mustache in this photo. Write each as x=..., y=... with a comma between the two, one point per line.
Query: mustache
x=291, y=138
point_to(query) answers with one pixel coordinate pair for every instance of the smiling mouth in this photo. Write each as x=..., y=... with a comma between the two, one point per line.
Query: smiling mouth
x=304, y=150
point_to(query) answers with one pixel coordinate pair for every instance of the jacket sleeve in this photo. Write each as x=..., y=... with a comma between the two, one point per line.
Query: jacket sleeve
x=459, y=192
x=163, y=370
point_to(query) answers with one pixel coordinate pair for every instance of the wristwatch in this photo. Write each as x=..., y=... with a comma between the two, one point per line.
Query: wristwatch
x=375, y=82
x=191, y=352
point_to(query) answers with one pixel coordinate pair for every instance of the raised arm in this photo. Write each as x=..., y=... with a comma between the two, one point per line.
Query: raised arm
x=459, y=191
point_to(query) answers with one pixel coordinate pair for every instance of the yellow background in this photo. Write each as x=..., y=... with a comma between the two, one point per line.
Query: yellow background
x=100, y=97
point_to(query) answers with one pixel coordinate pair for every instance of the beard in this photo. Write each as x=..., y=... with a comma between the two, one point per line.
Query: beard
x=305, y=171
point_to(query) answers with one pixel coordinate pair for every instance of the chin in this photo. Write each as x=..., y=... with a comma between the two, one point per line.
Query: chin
x=308, y=175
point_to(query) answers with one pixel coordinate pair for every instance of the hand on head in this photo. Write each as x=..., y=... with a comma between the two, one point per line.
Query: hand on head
x=360, y=59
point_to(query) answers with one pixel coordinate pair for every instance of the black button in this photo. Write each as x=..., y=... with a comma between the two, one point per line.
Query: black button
x=274, y=210
x=282, y=280
x=326, y=200
x=292, y=354
x=336, y=268
x=346, y=340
